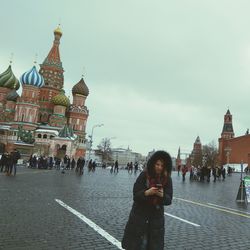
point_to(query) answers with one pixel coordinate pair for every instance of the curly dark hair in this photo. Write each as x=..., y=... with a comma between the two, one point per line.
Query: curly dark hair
x=164, y=157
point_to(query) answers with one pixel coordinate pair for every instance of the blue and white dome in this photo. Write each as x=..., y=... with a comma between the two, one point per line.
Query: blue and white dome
x=32, y=77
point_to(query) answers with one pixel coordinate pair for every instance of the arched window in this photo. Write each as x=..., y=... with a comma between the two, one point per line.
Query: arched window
x=51, y=137
x=39, y=136
x=45, y=136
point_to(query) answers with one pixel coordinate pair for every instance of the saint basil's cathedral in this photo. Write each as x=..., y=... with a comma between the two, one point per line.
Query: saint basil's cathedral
x=42, y=120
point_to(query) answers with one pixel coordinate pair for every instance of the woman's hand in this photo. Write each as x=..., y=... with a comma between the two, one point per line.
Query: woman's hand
x=151, y=191
x=160, y=192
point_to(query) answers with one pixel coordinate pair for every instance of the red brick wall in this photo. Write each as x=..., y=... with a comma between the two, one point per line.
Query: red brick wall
x=239, y=149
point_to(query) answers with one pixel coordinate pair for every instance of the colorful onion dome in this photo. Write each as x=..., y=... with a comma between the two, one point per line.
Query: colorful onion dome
x=33, y=78
x=66, y=132
x=8, y=79
x=58, y=31
x=80, y=88
x=61, y=99
x=12, y=96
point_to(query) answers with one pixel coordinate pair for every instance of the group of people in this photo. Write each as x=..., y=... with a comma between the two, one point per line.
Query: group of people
x=130, y=167
x=8, y=162
x=114, y=167
x=203, y=173
x=66, y=163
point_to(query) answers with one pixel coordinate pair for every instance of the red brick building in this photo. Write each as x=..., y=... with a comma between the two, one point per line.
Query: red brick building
x=233, y=150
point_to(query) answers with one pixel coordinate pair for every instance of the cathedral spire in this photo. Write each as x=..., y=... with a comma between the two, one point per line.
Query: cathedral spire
x=53, y=58
x=179, y=153
x=51, y=68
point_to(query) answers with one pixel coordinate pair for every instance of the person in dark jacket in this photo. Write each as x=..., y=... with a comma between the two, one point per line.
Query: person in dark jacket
x=214, y=173
x=116, y=167
x=4, y=162
x=51, y=162
x=80, y=164
x=15, y=156
x=73, y=163
x=184, y=172
x=152, y=190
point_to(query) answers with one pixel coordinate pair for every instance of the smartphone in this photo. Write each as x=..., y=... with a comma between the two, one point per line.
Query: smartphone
x=159, y=186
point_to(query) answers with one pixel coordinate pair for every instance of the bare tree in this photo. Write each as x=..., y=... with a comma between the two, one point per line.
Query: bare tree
x=104, y=149
x=210, y=153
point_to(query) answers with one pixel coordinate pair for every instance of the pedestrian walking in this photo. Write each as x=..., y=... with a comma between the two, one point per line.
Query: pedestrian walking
x=51, y=162
x=80, y=165
x=4, y=162
x=73, y=163
x=179, y=169
x=152, y=190
x=112, y=168
x=57, y=163
x=130, y=167
x=90, y=165
x=184, y=171
x=93, y=166
x=214, y=173
x=116, y=167
x=136, y=167
x=14, y=157
x=223, y=173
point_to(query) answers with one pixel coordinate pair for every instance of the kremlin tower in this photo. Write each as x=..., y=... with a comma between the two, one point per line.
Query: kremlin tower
x=43, y=113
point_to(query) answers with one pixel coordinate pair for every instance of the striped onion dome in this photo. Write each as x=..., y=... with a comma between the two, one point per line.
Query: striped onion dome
x=33, y=78
x=8, y=79
x=12, y=96
x=80, y=88
x=61, y=99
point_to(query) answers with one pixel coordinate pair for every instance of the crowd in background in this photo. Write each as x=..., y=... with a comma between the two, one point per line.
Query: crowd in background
x=204, y=173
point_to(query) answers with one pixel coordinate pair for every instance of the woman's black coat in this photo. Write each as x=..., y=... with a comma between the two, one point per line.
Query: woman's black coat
x=145, y=217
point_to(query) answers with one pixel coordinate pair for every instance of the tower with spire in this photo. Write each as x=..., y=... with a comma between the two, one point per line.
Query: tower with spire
x=196, y=155
x=228, y=131
x=52, y=71
x=178, y=158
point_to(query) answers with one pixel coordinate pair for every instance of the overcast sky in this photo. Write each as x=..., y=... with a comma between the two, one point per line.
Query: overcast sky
x=159, y=72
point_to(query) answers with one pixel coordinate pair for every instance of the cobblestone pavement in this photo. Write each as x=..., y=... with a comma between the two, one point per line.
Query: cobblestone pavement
x=32, y=219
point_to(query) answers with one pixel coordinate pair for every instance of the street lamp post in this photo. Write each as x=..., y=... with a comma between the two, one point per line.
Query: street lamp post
x=91, y=138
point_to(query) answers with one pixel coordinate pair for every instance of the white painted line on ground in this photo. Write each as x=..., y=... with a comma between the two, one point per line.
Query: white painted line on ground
x=237, y=210
x=183, y=220
x=98, y=229
x=215, y=208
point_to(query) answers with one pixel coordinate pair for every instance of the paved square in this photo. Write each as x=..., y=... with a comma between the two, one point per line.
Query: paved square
x=202, y=216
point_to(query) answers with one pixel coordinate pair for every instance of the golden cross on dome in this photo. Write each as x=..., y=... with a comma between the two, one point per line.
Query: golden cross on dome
x=35, y=59
x=83, y=72
x=11, y=57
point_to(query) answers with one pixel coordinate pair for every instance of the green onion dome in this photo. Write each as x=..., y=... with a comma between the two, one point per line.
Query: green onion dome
x=80, y=88
x=61, y=99
x=12, y=96
x=8, y=79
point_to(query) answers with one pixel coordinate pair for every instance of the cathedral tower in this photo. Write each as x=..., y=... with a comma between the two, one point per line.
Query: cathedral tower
x=52, y=71
x=78, y=112
x=27, y=106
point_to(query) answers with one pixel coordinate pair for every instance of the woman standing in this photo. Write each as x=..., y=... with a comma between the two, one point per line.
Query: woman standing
x=152, y=190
